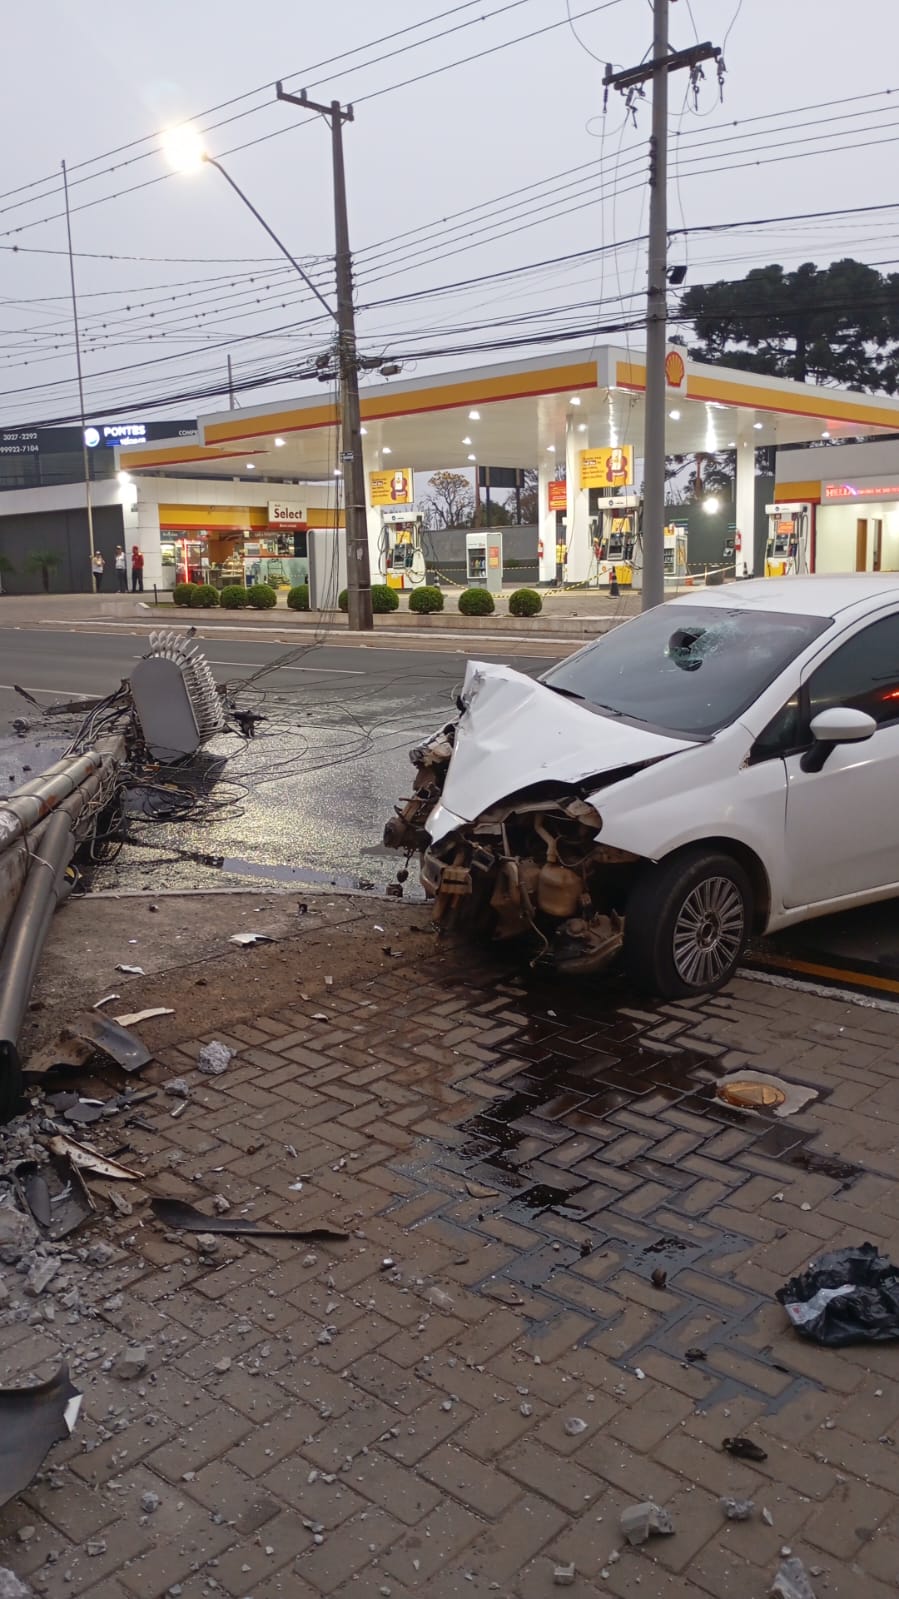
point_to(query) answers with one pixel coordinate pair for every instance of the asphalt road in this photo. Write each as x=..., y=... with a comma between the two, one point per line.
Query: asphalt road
x=306, y=801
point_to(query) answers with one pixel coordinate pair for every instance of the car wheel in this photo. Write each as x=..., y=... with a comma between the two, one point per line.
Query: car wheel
x=687, y=923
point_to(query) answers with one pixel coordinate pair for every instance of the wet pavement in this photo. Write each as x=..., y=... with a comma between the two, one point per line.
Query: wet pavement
x=305, y=802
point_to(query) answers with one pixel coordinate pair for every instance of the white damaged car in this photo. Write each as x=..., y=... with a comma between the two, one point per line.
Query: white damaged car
x=717, y=768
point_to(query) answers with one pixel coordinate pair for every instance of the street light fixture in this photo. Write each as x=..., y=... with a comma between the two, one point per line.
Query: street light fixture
x=186, y=153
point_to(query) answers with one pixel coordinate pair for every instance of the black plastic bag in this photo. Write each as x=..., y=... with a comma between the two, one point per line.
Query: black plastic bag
x=849, y=1297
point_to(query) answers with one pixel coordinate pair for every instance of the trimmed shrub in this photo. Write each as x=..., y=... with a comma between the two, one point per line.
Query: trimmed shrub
x=298, y=598
x=234, y=597
x=204, y=597
x=384, y=599
x=261, y=597
x=183, y=593
x=476, y=602
x=525, y=602
x=343, y=600
x=426, y=599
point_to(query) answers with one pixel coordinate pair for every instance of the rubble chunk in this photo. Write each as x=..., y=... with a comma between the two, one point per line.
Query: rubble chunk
x=737, y=1509
x=11, y=1586
x=131, y=1362
x=40, y=1276
x=213, y=1059
x=647, y=1520
x=563, y=1576
x=18, y=1235
x=178, y=1088
x=791, y=1581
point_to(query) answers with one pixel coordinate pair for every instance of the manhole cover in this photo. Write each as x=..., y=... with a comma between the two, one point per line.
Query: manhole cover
x=751, y=1096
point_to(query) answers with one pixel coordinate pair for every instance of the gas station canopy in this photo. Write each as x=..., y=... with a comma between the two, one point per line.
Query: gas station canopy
x=520, y=414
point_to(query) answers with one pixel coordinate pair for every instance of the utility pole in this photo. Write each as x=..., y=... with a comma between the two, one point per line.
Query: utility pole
x=664, y=61
x=88, y=499
x=231, y=401
x=354, y=494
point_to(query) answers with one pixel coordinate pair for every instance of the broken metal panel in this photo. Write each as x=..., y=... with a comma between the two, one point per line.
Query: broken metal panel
x=32, y=1420
x=515, y=734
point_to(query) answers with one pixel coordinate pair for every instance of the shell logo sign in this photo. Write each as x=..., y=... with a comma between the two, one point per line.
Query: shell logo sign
x=675, y=369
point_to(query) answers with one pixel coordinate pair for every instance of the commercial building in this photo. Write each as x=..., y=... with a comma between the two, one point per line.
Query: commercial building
x=229, y=526
x=578, y=419
x=212, y=501
x=847, y=498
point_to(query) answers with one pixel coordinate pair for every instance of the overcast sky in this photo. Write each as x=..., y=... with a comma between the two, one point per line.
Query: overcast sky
x=91, y=81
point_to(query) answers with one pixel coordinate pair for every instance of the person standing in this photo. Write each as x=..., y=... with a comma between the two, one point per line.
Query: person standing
x=121, y=569
x=98, y=567
x=137, y=569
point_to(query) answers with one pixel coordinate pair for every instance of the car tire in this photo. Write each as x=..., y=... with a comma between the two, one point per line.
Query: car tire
x=687, y=923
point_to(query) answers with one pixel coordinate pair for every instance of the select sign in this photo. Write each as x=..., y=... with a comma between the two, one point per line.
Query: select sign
x=286, y=513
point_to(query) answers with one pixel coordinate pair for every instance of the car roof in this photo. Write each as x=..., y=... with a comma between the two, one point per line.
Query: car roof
x=824, y=594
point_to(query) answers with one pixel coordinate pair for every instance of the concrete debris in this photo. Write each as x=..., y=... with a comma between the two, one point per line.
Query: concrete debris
x=178, y=1088
x=767, y=1517
x=132, y=971
x=648, y=1520
x=144, y=1015
x=11, y=1587
x=247, y=939
x=791, y=1581
x=575, y=1425
x=95, y=1547
x=213, y=1059
x=221, y=1205
x=223, y=1365
x=40, y=1275
x=563, y=1576
x=149, y=1502
x=132, y=1362
x=440, y=1299
x=18, y=1235
x=737, y=1509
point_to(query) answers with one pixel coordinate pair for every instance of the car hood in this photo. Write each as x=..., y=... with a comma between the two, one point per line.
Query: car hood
x=514, y=733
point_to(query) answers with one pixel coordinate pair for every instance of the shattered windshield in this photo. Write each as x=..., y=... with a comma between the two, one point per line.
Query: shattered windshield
x=686, y=668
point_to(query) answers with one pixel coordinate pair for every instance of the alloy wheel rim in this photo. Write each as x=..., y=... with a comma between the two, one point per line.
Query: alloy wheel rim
x=708, y=933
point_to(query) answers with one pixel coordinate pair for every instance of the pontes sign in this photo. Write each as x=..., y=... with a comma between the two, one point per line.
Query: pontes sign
x=286, y=513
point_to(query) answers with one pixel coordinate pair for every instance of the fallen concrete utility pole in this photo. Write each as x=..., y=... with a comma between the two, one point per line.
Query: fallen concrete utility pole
x=41, y=825
x=79, y=784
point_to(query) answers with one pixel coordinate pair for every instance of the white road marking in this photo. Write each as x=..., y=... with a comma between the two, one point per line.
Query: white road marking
x=67, y=693
x=327, y=671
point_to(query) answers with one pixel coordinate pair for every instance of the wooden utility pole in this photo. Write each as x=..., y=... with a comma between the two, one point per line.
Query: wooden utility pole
x=656, y=71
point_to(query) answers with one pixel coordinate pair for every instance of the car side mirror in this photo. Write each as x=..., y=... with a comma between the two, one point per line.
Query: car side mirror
x=841, y=725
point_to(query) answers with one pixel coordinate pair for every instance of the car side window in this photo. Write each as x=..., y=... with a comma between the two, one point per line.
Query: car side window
x=862, y=674
x=783, y=733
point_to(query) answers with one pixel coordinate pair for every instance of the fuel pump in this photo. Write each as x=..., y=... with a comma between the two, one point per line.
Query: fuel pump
x=675, y=555
x=787, y=553
x=402, y=557
x=614, y=537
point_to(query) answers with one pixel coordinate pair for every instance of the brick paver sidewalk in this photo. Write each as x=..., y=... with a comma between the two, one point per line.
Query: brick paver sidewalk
x=462, y=1397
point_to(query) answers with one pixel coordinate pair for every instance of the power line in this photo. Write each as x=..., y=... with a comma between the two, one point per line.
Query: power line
x=447, y=66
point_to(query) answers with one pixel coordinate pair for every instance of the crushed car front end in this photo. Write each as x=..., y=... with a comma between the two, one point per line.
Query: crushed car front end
x=504, y=816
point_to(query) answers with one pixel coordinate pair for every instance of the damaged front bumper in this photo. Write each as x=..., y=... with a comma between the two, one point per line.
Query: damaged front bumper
x=532, y=867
